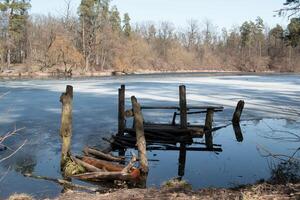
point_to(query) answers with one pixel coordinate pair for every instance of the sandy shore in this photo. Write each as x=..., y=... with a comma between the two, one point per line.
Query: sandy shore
x=261, y=191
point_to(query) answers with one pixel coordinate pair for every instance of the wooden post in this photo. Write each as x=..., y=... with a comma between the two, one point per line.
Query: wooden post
x=66, y=125
x=208, y=128
x=140, y=136
x=238, y=112
x=183, y=107
x=121, y=114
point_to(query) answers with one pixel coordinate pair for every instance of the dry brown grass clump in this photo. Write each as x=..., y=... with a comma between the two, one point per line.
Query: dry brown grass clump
x=20, y=197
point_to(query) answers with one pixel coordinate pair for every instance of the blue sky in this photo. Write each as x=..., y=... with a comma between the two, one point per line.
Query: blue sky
x=223, y=13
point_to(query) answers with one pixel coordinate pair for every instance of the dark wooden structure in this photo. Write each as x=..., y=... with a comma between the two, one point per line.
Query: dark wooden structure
x=157, y=133
x=142, y=136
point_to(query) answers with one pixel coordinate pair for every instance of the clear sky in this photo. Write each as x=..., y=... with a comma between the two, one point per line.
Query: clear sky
x=223, y=13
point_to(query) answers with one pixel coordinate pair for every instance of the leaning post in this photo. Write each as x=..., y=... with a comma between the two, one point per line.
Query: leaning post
x=183, y=107
x=66, y=125
x=121, y=113
x=140, y=136
x=238, y=112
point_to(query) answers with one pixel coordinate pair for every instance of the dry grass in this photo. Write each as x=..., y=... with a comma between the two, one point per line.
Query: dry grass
x=262, y=191
x=20, y=197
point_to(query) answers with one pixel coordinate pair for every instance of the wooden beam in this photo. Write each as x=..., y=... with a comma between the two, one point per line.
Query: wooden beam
x=205, y=107
x=183, y=107
x=121, y=114
x=159, y=108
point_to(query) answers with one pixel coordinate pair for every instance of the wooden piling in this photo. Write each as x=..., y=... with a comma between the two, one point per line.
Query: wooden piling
x=183, y=107
x=208, y=128
x=121, y=113
x=238, y=112
x=140, y=136
x=66, y=125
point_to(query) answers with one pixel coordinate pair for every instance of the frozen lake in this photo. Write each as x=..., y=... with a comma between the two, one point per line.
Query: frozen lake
x=271, y=112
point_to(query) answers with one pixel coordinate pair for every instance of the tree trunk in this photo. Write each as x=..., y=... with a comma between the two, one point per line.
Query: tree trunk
x=140, y=137
x=66, y=125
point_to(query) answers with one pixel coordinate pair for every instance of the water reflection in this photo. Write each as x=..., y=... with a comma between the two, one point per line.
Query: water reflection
x=182, y=148
x=238, y=132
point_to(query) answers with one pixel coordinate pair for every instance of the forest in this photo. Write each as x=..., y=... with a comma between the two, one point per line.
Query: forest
x=99, y=39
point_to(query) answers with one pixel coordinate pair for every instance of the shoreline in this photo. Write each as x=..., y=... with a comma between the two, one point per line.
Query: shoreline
x=50, y=75
x=183, y=192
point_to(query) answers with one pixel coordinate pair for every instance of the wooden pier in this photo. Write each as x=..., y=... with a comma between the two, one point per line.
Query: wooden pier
x=101, y=165
x=157, y=133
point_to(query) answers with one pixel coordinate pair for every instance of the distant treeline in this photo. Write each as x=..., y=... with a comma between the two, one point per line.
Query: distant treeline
x=99, y=39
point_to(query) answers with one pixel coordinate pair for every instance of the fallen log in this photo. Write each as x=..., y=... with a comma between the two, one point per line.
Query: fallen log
x=102, y=155
x=128, y=173
x=101, y=164
x=87, y=166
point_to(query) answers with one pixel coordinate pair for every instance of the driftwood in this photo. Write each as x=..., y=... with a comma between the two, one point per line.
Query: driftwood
x=66, y=184
x=101, y=164
x=66, y=125
x=87, y=166
x=102, y=155
x=140, y=137
x=128, y=173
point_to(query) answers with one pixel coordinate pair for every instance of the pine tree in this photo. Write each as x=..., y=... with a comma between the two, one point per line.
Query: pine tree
x=16, y=14
x=115, y=19
x=126, y=25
